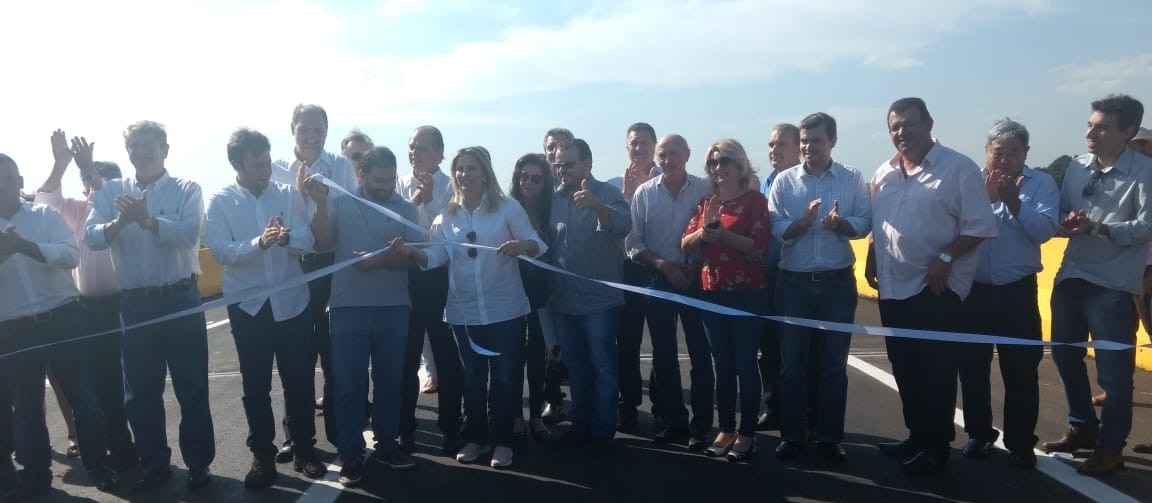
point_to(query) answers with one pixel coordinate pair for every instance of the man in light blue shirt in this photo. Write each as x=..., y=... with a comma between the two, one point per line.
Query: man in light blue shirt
x=817, y=208
x=661, y=209
x=1003, y=297
x=1108, y=208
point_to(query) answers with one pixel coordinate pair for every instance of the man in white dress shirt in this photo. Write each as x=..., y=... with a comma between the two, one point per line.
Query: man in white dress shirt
x=258, y=229
x=39, y=305
x=310, y=131
x=429, y=189
x=152, y=224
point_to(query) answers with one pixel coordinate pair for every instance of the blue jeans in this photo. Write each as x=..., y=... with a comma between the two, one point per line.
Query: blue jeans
x=589, y=345
x=260, y=340
x=180, y=347
x=360, y=334
x=832, y=299
x=1080, y=308
x=489, y=411
x=665, y=382
x=735, y=341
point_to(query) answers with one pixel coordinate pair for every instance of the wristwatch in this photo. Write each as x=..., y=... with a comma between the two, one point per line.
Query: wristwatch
x=945, y=257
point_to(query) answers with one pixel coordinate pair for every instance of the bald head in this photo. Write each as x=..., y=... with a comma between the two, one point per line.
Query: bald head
x=672, y=155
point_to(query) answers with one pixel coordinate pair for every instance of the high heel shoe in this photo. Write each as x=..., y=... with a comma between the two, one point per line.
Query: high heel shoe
x=736, y=456
x=718, y=448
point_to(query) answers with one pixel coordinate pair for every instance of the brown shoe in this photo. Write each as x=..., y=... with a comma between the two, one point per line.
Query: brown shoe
x=1072, y=441
x=1101, y=462
x=1098, y=400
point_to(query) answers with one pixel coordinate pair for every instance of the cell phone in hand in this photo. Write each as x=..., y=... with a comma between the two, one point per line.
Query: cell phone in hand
x=715, y=224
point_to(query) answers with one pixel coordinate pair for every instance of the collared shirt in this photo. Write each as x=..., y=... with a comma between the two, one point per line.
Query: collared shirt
x=618, y=181
x=333, y=166
x=1121, y=200
x=772, y=256
x=1016, y=252
x=582, y=246
x=361, y=228
x=487, y=288
x=819, y=249
x=141, y=258
x=95, y=276
x=915, y=217
x=441, y=193
x=28, y=286
x=236, y=220
x=659, y=218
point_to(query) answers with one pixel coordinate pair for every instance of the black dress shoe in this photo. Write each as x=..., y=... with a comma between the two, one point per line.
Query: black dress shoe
x=105, y=479
x=671, y=434
x=832, y=451
x=148, y=478
x=789, y=449
x=285, y=455
x=553, y=413
x=262, y=474
x=904, y=448
x=309, y=464
x=697, y=443
x=24, y=489
x=198, y=477
x=571, y=440
x=767, y=422
x=1143, y=448
x=1023, y=458
x=976, y=448
x=406, y=441
x=925, y=463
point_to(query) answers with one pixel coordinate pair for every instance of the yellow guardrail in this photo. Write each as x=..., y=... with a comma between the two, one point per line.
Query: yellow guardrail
x=1051, y=251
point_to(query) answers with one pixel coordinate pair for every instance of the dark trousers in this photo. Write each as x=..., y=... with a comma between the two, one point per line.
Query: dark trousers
x=319, y=290
x=925, y=370
x=429, y=292
x=259, y=341
x=769, y=361
x=7, y=447
x=733, y=340
x=178, y=348
x=491, y=408
x=664, y=384
x=542, y=385
x=24, y=374
x=629, y=336
x=1009, y=310
x=101, y=314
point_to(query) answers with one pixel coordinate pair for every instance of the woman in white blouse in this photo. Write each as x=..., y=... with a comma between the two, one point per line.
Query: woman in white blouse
x=487, y=307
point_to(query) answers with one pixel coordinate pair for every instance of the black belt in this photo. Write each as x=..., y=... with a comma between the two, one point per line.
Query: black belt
x=154, y=291
x=318, y=257
x=56, y=312
x=815, y=276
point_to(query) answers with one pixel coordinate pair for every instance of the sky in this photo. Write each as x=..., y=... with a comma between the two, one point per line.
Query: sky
x=500, y=73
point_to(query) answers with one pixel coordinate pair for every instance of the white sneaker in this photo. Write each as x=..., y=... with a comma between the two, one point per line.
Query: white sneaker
x=501, y=457
x=471, y=452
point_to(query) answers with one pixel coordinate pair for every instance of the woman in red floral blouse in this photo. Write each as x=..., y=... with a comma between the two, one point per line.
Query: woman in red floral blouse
x=729, y=235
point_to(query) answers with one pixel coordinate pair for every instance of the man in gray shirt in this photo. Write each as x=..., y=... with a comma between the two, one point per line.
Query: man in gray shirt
x=1107, y=221
x=369, y=310
x=588, y=224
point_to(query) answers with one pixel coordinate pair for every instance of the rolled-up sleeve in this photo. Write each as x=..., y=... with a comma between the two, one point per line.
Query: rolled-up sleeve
x=1039, y=218
x=974, y=214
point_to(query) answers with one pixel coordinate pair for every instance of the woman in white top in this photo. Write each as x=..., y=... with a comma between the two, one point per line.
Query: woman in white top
x=487, y=307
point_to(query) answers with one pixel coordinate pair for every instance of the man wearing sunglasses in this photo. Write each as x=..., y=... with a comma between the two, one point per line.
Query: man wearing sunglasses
x=1107, y=220
x=589, y=222
x=355, y=145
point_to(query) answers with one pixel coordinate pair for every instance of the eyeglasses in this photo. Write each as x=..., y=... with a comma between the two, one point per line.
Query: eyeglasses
x=1093, y=183
x=532, y=178
x=564, y=165
x=471, y=239
x=719, y=161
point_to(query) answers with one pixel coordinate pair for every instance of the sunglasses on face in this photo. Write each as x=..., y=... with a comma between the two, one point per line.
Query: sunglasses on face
x=471, y=239
x=719, y=161
x=532, y=178
x=564, y=165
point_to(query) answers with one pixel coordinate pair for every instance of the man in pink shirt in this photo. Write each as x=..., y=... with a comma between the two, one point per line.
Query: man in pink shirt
x=99, y=288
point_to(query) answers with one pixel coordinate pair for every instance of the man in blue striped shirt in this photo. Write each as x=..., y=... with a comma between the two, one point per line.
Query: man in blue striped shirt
x=817, y=207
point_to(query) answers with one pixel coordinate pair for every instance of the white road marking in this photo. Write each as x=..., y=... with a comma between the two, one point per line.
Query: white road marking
x=1048, y=465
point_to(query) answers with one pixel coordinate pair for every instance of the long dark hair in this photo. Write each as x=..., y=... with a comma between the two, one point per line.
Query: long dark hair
x=543, y=208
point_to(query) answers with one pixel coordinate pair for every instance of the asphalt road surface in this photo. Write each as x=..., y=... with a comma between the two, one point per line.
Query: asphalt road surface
x=641, y=470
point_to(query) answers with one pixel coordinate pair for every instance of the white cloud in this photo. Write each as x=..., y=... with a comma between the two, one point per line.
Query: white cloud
x=1103, y=77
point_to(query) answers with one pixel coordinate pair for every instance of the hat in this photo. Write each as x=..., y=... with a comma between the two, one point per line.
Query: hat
x=1143, y=134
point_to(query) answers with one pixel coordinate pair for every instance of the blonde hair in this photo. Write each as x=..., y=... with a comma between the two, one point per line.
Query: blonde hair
x=731, y=149
x=492, y=188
